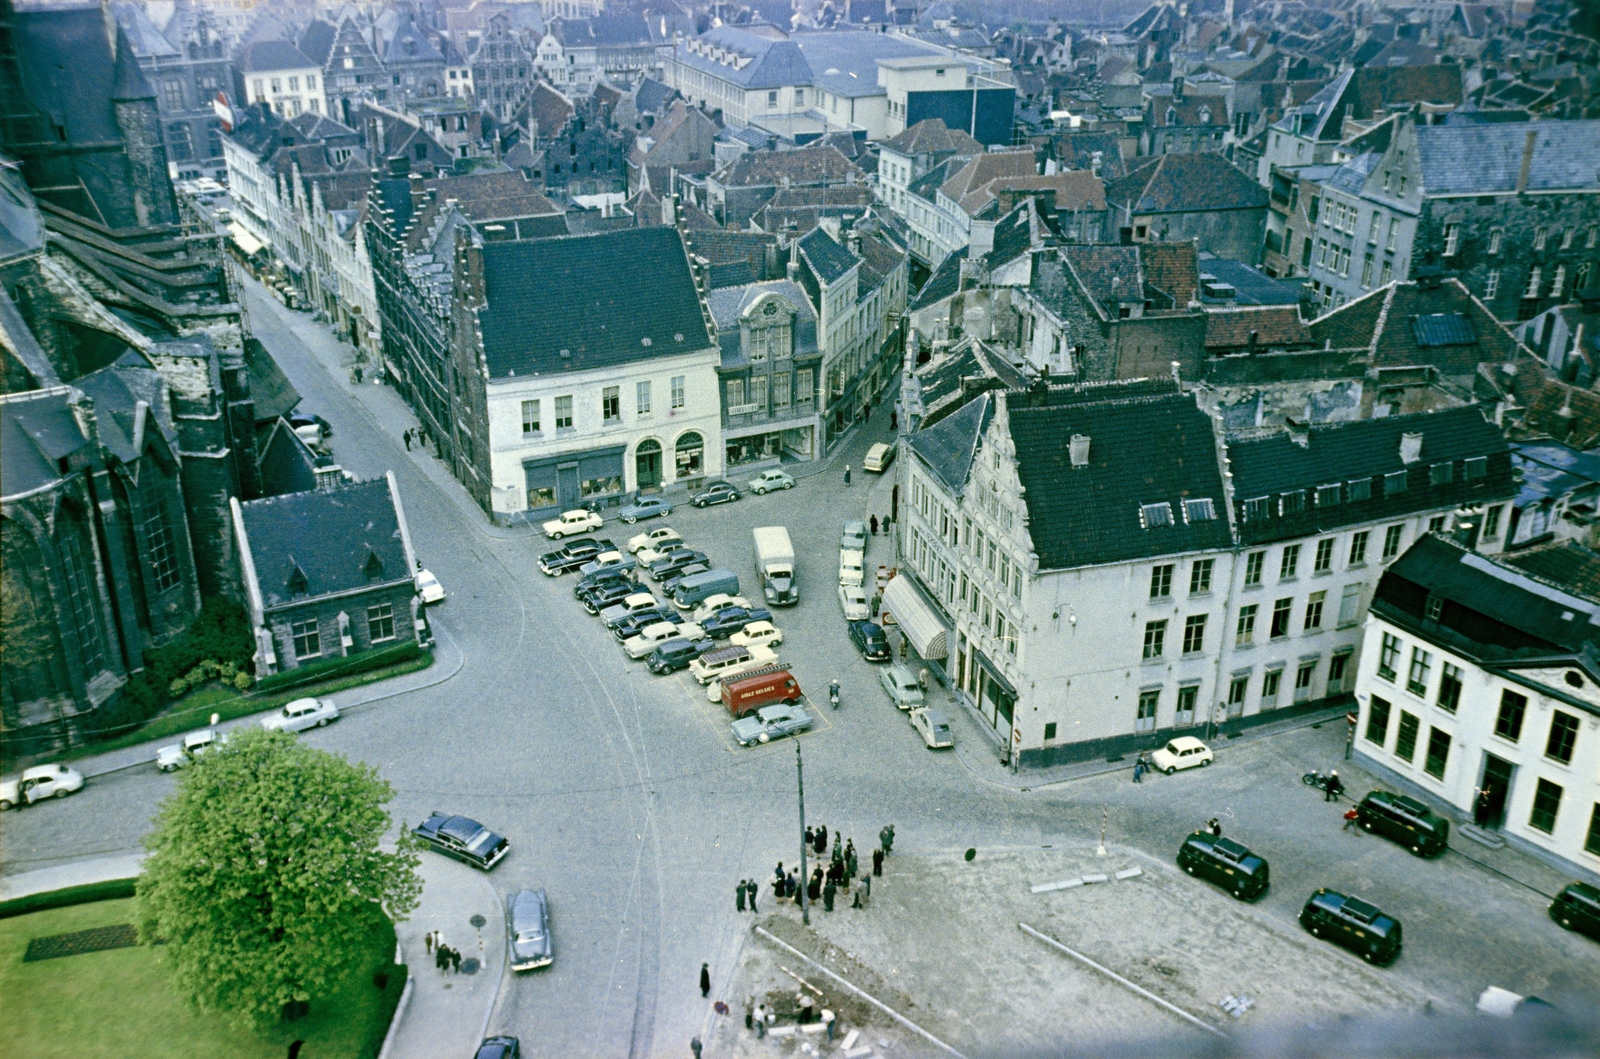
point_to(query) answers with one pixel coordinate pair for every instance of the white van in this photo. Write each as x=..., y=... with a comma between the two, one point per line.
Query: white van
x=726, y=661
x=878, y=458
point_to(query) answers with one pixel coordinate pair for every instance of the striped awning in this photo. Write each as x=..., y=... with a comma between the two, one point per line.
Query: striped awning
x=246, y=242
x=917, y=618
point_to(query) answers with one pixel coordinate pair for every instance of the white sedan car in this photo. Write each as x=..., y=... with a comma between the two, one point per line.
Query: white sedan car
x=1184, y=752
x=39, y=783
x=758, y=634
x=716, y=604
x=653, y=636
x=850, y=568
x=853, y=601
x=572, y=523
x=301, y=714
x=658, y=549
x=194, y=744
x=428, y=587
x=651, y=538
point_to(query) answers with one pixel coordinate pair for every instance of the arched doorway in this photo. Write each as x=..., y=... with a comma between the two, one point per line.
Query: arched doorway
x=647, y=464
x=691, y=456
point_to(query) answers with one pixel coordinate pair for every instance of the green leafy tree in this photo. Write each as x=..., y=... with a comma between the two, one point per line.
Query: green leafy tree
x=265, y=867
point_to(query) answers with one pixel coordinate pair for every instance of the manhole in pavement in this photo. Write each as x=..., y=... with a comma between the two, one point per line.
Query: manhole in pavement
x=469, y=965
x=120, y=936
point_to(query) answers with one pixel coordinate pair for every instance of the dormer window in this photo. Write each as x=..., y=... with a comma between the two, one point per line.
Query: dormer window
x=1199, y=510
x=298, y=585
x=373, y=567
x=1172, y=115
x=1153, y=515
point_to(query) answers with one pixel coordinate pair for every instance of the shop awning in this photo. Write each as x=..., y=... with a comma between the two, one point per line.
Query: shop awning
x=246, y=242
x=921, y=624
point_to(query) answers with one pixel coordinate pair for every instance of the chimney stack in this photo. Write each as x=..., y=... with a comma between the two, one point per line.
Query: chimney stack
x=1410, y=448
x=1078, y=450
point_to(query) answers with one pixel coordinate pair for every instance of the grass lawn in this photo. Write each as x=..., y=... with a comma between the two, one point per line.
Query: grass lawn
x=118, y=1005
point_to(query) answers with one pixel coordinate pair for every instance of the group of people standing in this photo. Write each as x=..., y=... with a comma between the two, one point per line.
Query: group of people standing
x=444, y=957
x=418, y=435
x=825, y=884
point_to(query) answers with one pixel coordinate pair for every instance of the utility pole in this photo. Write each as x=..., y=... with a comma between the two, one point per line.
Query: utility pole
x=800, y=780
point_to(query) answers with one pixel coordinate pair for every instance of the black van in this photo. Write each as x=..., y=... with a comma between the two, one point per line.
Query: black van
x=1349, y=921
x=1578, y=908
x=1224, y=862
x=1406, y=820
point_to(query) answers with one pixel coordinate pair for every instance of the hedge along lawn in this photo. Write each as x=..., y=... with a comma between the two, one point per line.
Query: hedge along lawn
x=194, y=710
x=117, y=1004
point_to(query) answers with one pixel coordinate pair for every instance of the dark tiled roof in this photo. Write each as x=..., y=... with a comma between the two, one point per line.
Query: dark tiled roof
x=944, y=282
x=38, y=432
x=1385, y=322
x=353, y=523
x=316, y=41
x=827, y=258
x=1108, y=274
x=932, y=136
x=1474, y=159
x=1172, y=269
x=1275, y=327
x=68, y=69
x=1338, y=453
x=1187, y=183
x=264, y=56
x=611, y=298
x=1563, y=563
x=1142, y=450
x=949, y=446
x=807, y=166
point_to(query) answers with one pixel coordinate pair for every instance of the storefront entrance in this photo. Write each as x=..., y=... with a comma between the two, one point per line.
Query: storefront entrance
x=1496, y=788
x=647, y=464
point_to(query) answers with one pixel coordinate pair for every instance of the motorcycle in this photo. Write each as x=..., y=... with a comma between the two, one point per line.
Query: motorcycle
x=1319, y=781
x=833, y=694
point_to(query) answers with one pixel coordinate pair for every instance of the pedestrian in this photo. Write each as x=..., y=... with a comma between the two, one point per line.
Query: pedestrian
x=1334, y=787
x=811, y=837
x=1138, y=769
x=893, y=420
x=438, y=939
x=1214, y=826
x=455, y=962
x=847, y=474
x=694, y=1046
x=850, y=858
x=922, y=678
x=827, y=895
x=886, y=836
x=790, y=886
x=777, y=873
x=440, y=961
x=903, y=639
x=754, y=890
x=1481, y=808
x=738, y=903
x=838, y=840
x=761, y=1021
x=427, y=940
x=857, y=902
x=866, y=885
x=814, y=886
x=1350, y=818
x=877, y=862
x=407, y=437
x=705, y=979
x=873, y=522
x=822, y=840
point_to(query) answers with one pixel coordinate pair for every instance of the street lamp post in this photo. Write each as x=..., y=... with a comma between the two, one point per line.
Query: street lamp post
x=800, y=781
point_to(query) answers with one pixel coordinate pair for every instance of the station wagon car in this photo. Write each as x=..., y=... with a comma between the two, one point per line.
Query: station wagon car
x=462, y=838
x=574, y=555
x=901, y=684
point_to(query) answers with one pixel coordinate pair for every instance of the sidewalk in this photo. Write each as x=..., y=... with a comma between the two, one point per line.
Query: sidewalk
x=78, y=873
x=449, y=1012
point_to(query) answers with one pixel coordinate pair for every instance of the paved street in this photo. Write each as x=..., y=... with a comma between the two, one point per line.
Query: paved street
x=624, y=797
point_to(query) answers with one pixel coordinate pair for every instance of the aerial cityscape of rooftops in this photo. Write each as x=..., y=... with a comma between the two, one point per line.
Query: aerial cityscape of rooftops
x=498, y=497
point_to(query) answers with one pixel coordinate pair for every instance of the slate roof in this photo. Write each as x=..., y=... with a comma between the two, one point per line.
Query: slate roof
x=944, y=282
x=829, y=259
x=36, y=432
x=773, y=63
x=1142, y=450
x=354, y=522
x=1382, y=322
x=1275, y=327
x=70, y=70
x=806, y=166
x=265, y=56
x=316, y=40
x=1479, y=159
x=652, y=95
x=1199, y=181
x=1561, y=562
x=1337, y=453
x=950, y=445
x=728, y=304
x=1108, y=274
x=545, y=295
x=1251, y=286
x=985, y=169
x=932, y=136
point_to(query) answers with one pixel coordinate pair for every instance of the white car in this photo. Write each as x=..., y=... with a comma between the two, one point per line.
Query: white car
x=758, y=634
x=1184, y=752
x=767, y=481
x=716, y=604
x=653, y=636
x=658, y=550
x=853, y=601
x=39, y=783
x=652, y=539
x=571, y=523
x=301, y=714
x=851, y=570
x=428, y=587
x=933, y=727
x=194, y=744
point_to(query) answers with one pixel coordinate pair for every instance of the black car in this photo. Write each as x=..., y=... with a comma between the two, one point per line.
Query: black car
x=462, y=838
x=600, y=577
x=715, y=493
x=869, y=639
x=674, y=562
x=611, y=593
x=574, y=555
x=724, y=623
x=634, y=624
x=1349, y=921
x=1226, y=863
x=669, y=586
x=499, y=1048
x=1406, y=821
x=310, y=419
x=675, y=655
x=1577, y=907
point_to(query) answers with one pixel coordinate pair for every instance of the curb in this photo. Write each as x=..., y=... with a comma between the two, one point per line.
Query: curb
x=505, y=964
x=399, y=1013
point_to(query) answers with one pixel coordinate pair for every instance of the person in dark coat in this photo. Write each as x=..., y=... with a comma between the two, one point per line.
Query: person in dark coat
x=822, y=839
x=886, y=839
x=877, y=862
x=866, y=885
x=873, y=522
x=427, y=940
x=455, y=961
x=406, y=437
x=814, y=886
x=811, y=838
x=705, y=979
x=1334, y=786
x=857, y=902
x=754, y=890
x=738, y=901
x=695, y=1046
x=852, y=867
x=790, y=886
x=847, y=474
x=1214, y=826
x=894, y=420
x=827, y=895
x=441, y=962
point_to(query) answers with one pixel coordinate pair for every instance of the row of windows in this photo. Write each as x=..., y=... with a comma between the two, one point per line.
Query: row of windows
x=1271, y=690
x=307, y=635
x=1406, y=735
x=1298, y=501
x=610, y=407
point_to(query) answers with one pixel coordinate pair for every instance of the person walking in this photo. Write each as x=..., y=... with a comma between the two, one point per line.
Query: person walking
x=705, y=979
x=407, y=438
x=847, y=474
x=427, y=940
x=754, y=890
x=814, y=886
x=828, y=893
x=822, y=840
x=1350, y=818
x=440, y=961
x=455, y=962
x=894, y=420
x=877, y=862
x=695, y=1046
x=1138, y=769
x=1334, y=787
x=873, y=522
x=738, y=901
x=886, y=838
x=1214, y=826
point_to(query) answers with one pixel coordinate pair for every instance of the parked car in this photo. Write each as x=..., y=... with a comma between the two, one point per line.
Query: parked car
x=610, y=595
x=854, y=537
x=869, y=640
x=638, y=623
x=669, y=585
x=673, y=562
x=1226, y=863
x=902, y=686
x=744, y=693
x=179, y=755
x=878, y=458
x=1577, y=907
x=1406, y=821
x=574, y=555
x=695, y=590
x=724, y=623
x=310, y=427
x=301, y=714
x=571, y=523
x=651, y=539
x=588, y=582
x=501, y=1047
x=644, y=507
x=853, y=601
x=771, y=722
x=758, y=633
x=39, y=783
x=658, y=549
x=723, y=662
x=612, y=560
x=767, y=481
x=528, y=924
x=675, y=654
x=463, y=838
x=933, y=727
x=850, y=568
x=715, y=493
x=428, y=587
x=631, y=604
x=653, y=636
x=1184, y=752
x=1349, y=921
x=721, y=601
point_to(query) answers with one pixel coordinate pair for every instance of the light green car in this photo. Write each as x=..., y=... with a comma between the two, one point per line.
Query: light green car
x=902, y=686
